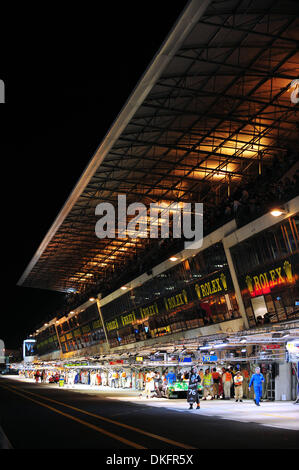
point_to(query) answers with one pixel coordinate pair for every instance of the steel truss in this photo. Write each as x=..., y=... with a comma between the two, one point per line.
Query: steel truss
x=219, y=108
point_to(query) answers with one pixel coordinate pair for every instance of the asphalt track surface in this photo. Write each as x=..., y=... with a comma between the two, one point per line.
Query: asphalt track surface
x=35, y=417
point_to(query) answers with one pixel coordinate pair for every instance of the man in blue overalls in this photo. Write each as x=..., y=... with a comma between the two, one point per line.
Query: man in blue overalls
x=257, y=380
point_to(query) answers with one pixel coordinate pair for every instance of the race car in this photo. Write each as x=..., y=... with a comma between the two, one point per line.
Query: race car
x=179, y=389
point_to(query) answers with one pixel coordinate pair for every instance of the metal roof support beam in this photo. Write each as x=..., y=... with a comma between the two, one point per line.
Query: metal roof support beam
x=267, y=35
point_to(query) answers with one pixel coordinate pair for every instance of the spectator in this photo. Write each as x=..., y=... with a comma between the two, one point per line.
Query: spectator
x=216, y=380
x=207, y=383
x=238, y=383
x=227, y=381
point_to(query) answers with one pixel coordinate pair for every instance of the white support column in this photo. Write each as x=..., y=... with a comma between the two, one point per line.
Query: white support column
x=102, y=320
x=60, y=347
x=236, y=285
x=283, y=382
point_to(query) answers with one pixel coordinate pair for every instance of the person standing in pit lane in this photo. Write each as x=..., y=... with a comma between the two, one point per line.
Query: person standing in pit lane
x=227, y=380
x=216, y=380
x=238, y=382
x=164, y=384
x=257, y=380
x=158, y=385
x=149, y=384
x=232, y=388
x=207, y=383
x=192, y=394
x=171, y=377
x=245, y=375
x=37, y=376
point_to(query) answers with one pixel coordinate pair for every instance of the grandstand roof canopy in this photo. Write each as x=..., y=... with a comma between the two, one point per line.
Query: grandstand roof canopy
x=211, y=107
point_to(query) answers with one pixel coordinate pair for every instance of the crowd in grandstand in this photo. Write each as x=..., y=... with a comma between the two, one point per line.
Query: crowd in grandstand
x=249, y=201
x=260, y=194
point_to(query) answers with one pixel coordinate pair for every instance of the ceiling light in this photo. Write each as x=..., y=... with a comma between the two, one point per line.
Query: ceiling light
x=277, y=211
x=173, y=258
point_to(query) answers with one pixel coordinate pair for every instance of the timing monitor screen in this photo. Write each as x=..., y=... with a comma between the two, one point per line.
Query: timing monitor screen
x=30, y=348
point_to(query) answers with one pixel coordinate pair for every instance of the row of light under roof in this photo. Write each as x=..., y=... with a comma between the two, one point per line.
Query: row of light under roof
x=275, y=212
x=91, y=299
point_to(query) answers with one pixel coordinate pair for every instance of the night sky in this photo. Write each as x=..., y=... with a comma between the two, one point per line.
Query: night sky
x=67, y=76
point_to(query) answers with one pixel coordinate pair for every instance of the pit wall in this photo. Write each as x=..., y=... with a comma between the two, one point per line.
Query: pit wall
x=230, y=326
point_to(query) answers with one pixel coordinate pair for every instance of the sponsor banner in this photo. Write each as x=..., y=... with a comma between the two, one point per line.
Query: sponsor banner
x=293, y=351
x=209, y=358
x=185, y=359
x=215, y=284
x=270, y=278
